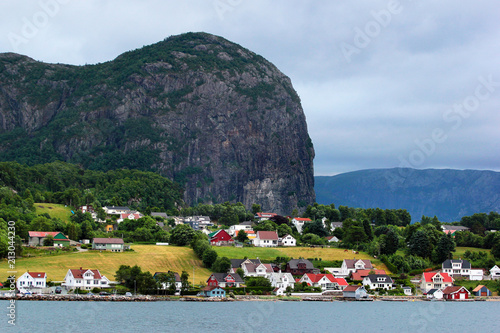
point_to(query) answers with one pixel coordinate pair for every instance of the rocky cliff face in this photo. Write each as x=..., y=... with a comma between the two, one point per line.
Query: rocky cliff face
x=447, y=194
x=217, y=118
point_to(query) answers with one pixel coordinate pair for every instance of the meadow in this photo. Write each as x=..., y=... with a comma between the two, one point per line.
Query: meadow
x=150, y=258
x=54, y=210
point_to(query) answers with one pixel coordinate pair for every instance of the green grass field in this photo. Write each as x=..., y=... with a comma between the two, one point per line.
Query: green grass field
x=150, y=258
x=460, y=251
x=54, y=210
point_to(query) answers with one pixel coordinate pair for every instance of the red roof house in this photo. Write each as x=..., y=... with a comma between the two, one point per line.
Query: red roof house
x=436, y=280
x=220, y=237
x=457, y=292
x=324, y=281
x=266, y=239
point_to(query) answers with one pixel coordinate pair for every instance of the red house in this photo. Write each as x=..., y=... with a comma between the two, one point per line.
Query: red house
x=456, y=292
x=220, y=237
x=224, y=280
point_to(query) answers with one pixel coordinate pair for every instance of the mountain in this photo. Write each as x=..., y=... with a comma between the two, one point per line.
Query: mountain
x=220, y=120
x=447, y=194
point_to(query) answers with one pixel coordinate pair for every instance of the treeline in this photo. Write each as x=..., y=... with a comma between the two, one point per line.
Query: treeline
x=68, y=184
x=377, y=216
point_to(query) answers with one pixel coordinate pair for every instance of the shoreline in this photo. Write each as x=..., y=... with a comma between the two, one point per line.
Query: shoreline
x=152, y=298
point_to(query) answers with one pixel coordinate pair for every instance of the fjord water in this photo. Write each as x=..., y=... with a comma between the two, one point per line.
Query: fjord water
x=44, y=316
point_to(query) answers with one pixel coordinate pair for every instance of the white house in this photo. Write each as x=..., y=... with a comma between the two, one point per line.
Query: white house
x=256, y=269
x=280, y=281
x=476, y=274
x=324, y=281
x=115, y=210
x=354, y=291
x=245, y=226
x=299, y=222
x=457, y=267
x=435, y=293
x=332, y=239
x=85, y=279
x=288, y=240
x=435, y=281
x=352, y=265
x=495, y=273
x=32, y=281
x=266, y=239
x=375, y=281
x=166, y=285
x=261, y=216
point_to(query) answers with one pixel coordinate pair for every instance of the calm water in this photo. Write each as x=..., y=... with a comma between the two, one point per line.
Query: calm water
x=253, y=317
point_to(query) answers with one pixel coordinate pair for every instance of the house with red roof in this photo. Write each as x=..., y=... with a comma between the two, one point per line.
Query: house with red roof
x=299, y=222
x=32, y=281
x=360, y=274
x=266, y=239
x=261, y=216
x=220, y=238
x=36, y=238
x=86, y=279
x=458, y=292
x=436, y=280
x=324, y=281
x=355, y=291
x=224, y=280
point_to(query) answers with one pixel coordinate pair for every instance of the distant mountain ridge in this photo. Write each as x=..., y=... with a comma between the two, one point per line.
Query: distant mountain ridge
x=448, y=194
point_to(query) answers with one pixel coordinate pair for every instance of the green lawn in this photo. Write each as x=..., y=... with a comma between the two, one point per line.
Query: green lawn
x=460, y=251
x=54, y=210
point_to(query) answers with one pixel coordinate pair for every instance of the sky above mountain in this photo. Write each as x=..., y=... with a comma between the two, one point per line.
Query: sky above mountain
x=383, y=83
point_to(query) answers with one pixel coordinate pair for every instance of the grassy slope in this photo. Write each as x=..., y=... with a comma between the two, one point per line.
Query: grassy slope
x=460, y=251
x=54, y=210
x=149, y=257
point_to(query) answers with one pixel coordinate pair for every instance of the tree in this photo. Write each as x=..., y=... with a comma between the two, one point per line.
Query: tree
x=391, y=243
x=181, y=235
x=146, y=283
x=368, y=230
x=284, y=230
x=316, y=228
x=256, y=209
x=242, y=236
x=185, y=280
x=221, y=265
x=209, y=257
x=419, y=244
x=240, y=272
x=444, y=248
x=48, y=241
x=127, y=275
x=495, y=250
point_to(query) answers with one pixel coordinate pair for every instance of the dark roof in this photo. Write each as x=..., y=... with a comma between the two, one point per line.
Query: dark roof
x=236, y=263
x=352, y=288
x=117, y=208
x=176, y=275
x=432, y=291
x=375, y=278
x=220, y=277
x=448, y=263
x=108, y=241
x=351, y=262
x=294, y=263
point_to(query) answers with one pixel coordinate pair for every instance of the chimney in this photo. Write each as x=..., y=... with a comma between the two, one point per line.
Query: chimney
x=81, y=269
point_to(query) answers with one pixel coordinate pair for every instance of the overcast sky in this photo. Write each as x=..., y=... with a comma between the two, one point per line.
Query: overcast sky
x=383, y=83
